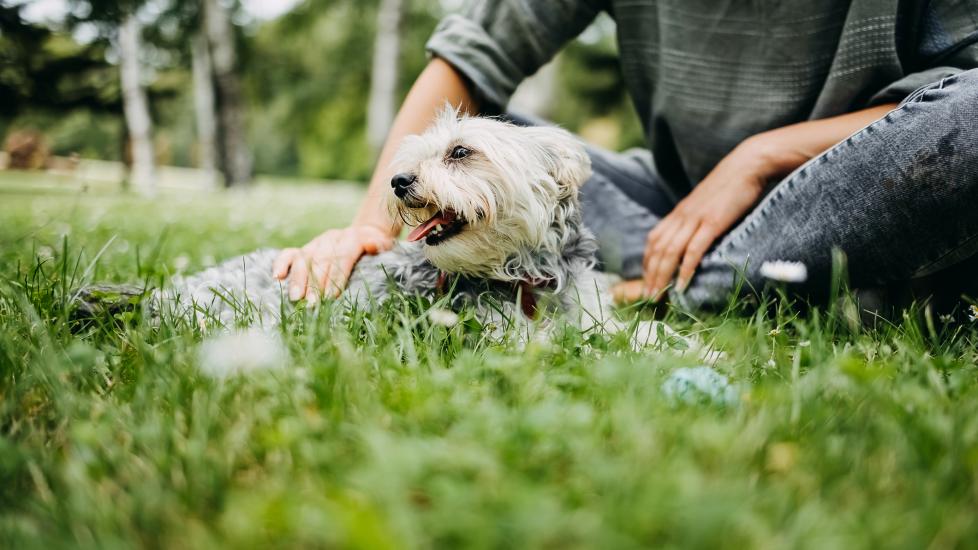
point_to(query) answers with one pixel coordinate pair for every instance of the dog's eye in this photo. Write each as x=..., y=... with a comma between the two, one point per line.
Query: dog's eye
x=459, y=152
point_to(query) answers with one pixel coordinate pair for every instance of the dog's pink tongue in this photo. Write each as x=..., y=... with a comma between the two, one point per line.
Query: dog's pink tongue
x=422, y=230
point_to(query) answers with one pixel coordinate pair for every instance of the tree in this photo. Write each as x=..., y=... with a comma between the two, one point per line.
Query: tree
x=120, y=20
x=135, y=106
x=204, y=107
x=234, y=156
x=381, y=105
x=42, y=69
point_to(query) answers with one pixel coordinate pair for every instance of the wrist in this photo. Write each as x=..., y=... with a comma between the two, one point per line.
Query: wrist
x=374, y=226
x=774, y=155
x=761, y=154
x=375, y=218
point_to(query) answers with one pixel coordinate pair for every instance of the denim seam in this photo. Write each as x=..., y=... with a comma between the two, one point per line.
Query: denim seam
x=801, y=172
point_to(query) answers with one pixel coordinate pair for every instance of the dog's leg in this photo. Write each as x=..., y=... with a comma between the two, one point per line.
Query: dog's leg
x=240, y=289
x=593, y=305
x=588, y=301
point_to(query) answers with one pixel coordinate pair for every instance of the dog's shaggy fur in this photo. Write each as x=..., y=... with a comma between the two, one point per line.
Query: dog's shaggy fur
x=497, y=226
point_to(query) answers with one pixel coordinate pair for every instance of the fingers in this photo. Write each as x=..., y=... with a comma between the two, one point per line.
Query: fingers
x=651, y=243
x=319, y=272
x=377, y=245
x=695, y=251
x=668, y=254
x=282, y=263
x=338, y=275
x=627, y=292
x=323, y=266
x=299, y=277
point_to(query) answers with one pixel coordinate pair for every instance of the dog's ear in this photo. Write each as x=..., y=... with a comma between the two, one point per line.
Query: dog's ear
x=565, y=157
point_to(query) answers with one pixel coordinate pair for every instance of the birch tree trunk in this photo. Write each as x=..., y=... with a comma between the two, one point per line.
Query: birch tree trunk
x=381, y=105
x=233, y=153
x=139, y=126
x=205, y=112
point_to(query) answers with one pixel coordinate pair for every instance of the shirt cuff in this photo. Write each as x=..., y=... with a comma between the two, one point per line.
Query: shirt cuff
x=899, y=90
x=466, y=46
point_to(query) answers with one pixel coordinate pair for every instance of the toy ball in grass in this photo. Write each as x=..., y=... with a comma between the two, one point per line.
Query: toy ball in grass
x=699, y=385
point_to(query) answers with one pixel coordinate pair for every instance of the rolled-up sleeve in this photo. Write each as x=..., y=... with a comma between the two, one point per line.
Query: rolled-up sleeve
x=947, y=44
x=495, y=44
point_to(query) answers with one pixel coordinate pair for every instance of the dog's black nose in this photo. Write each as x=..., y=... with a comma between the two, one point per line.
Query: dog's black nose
x=401, y=182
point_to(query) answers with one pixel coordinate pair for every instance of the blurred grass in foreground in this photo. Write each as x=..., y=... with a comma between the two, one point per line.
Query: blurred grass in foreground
x=388, y=431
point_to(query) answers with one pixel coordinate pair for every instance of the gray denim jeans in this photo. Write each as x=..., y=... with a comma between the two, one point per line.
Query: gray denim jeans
x=899, y=198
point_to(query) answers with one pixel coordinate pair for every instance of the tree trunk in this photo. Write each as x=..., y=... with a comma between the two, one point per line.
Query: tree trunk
x=204, y=108
x=139, y=126
x=233, y=153
x=381, y=106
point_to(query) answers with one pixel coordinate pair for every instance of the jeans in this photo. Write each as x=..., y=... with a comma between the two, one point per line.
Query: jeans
x=899, y=198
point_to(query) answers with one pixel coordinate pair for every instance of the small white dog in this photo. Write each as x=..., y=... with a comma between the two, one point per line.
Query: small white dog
x=496, y=220
x=496, y=225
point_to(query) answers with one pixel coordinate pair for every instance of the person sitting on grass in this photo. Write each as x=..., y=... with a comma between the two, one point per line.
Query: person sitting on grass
x=776, y=131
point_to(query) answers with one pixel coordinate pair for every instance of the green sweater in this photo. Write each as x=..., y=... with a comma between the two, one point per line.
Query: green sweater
x=705, y=74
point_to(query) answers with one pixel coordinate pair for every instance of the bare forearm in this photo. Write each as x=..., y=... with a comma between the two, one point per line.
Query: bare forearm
x=784, y=149
x=731, y=189
x=438, y=83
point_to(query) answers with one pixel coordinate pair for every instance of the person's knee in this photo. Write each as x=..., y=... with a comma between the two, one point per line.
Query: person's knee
x=969, y=77
x=961, y=90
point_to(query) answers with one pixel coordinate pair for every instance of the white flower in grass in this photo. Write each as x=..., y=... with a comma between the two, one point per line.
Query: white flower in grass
x=242, y=352
x=181, y=262
x=443, y=317
x=786, y=272
x=973, y=313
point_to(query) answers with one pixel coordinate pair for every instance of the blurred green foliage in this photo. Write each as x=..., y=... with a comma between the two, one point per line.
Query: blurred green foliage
x=306, y=76
x=385, y=429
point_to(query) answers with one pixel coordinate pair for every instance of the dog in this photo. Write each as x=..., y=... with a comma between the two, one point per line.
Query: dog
x=496, y=225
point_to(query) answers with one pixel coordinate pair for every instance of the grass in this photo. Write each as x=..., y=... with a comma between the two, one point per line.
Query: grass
x=387, y=431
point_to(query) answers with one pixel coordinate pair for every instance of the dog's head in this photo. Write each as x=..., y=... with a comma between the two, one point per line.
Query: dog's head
x=484, y=196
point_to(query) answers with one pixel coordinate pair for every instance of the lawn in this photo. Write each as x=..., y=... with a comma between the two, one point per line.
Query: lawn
x=386, y=430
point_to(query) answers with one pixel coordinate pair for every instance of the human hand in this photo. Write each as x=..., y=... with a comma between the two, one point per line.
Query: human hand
x=681, y=239
x=323, y=266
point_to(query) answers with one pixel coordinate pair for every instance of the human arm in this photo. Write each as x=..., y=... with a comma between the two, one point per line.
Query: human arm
x=325, y=263
x=732, y=189
x=479, y=57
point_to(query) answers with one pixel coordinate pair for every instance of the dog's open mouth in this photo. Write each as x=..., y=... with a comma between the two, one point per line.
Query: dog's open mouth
x=445, y=224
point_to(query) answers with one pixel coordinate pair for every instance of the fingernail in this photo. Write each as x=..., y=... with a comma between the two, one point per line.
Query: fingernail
x=681, y=285
x=295, y=293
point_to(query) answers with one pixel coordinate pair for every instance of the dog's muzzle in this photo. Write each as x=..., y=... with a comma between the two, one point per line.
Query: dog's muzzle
x=401, y=183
